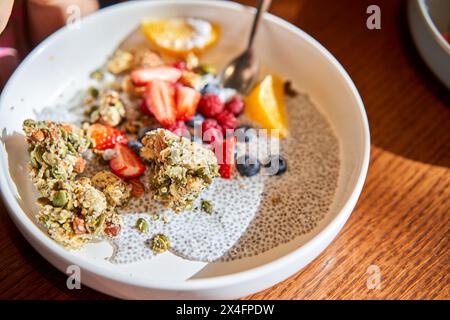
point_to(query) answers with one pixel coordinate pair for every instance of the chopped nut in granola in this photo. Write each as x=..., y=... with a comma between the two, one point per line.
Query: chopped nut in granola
x=138, y=188
x=117, y=191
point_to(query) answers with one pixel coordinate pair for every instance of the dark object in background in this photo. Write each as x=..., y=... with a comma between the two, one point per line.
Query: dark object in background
x=105, y=3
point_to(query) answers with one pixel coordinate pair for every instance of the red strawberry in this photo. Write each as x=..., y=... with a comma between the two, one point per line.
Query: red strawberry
x=235, y=105
x=145, y=109
x=126, y=164
x=187, y=101
x=227, y=120
x=226, y=157
x=210, y=105
x=105, y=137
x=160, y=99
x=211, y=131
x=143, y=76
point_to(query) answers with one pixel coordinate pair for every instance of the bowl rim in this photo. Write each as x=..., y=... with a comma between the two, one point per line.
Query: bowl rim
x=35, y=237
x=423, y=9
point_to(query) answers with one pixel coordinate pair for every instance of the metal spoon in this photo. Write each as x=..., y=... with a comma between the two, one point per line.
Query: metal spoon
x=242, y=73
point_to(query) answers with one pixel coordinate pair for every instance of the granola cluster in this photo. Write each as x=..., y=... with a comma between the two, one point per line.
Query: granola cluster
x=108, y=108
x=181, y=169
x=55, y=150
x=124, y=60
x=74, y=211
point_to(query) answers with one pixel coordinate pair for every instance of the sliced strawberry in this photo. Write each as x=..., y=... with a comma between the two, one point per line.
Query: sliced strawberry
x=187, y=100
x=126, y=164
x=160, y=99
x=105, y=137
x=225, y=151
x=141, y=77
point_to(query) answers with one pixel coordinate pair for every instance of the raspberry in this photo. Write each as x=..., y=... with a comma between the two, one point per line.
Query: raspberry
x=226, y=170
x=227, y=120
x=145, y=109
x=225, y=158
x=180, y=65
x=235, y=105
x=210, y=105
x=180, y=129
x=211, y=131
x=210, y=124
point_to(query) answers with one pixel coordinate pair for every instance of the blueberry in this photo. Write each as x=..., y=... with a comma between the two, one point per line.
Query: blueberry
x=248, y=166
x=144, y=130
x=135, y=146
x=197, y=118
x=210, y=88
x=242, y=134
x=276, y=169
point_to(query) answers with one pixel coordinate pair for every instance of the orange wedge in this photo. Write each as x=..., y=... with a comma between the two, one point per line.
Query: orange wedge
x=265, y=105
x=181, y=36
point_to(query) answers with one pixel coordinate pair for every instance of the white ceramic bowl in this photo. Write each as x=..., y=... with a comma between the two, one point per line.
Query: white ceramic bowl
x=427, y=20
x=59, y=67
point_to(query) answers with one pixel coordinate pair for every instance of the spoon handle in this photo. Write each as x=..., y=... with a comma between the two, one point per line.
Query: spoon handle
x=263, y=6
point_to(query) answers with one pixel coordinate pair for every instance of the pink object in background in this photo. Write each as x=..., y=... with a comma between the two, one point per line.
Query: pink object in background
x=31, y=22
x=15, y=35
x=8, y=62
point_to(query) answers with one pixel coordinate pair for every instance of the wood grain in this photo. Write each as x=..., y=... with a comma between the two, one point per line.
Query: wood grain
x=401, y=221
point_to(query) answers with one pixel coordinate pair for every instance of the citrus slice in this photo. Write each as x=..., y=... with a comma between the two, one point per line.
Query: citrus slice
x=265, y=105
x=181, y=36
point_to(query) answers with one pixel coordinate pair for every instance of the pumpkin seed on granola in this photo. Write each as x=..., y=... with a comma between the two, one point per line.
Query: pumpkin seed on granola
x=60, y=198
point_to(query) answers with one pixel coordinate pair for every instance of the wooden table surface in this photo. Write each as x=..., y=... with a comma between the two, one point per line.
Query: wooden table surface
x=398, y=232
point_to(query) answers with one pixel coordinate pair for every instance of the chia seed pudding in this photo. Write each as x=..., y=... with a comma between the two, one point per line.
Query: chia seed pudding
x=161, y=189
